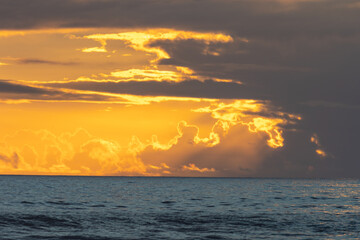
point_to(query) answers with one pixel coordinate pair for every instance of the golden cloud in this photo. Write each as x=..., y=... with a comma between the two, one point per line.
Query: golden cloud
x=242, y=112
x=315, y=139
x=80, y=153
x=193, y=167
x=140, y=39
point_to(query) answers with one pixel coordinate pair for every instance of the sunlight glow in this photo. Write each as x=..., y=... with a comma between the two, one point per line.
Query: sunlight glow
x=52, y=128
x=141, y=39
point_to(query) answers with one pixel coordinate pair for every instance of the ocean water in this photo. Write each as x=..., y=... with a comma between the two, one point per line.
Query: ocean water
x=42, y=207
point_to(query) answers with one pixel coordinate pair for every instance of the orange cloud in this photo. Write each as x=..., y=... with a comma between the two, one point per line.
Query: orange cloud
x=80, y=153
x=64, y=48
x=193, y=167
x=101, y=49
x=238, y=133
x=10, y=33
x=177, y=74
x=146, y=75
x=140, y=39
x=315, y=139
x=242, y=112
x=27, y=92
x=238, y=152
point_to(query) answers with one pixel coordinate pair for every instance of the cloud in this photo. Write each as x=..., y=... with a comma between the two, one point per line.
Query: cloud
x=41, y=61
x=145, y=75
x=241, y=144
x=42, y=152
x=315, y=139
x=301, y=56
x=193, y=167
x=142, y=39
x=245, y=16
x=235, y=152
x=16, y=91
x=13, y=160
x=186, y=88
x=8, y=87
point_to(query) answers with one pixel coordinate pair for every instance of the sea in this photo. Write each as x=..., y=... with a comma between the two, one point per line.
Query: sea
x=84, y=208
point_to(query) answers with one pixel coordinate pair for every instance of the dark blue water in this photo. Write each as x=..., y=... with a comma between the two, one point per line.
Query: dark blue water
x=177, y=208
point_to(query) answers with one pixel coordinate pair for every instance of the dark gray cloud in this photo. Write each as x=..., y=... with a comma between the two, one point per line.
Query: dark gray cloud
x=306, y=72
x=302, y=56
x=42, y=61
x=316, y=77
x=13, y=159
x=189, y=88
x=247, y=17
x=9, y=87
x=16, y=91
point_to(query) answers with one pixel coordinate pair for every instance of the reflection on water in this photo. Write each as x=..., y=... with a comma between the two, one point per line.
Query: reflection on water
x=38, y=207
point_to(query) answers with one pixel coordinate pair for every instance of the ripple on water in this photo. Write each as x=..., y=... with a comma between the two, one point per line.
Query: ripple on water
x=37, y=221
x=168, y=202
x=168, y=208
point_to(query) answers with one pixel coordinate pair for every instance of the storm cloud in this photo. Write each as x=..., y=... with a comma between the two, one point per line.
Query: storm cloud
x=16, y=91
x=302, y=56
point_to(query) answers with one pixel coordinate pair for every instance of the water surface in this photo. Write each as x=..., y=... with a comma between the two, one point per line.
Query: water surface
x=43, y=207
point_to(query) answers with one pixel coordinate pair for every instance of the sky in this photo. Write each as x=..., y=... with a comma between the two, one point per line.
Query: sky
x=194, y=88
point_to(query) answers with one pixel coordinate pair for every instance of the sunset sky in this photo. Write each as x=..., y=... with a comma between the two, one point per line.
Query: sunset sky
x=216, y=88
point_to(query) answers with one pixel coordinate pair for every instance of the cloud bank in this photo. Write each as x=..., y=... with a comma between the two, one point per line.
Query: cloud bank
x=300, y=57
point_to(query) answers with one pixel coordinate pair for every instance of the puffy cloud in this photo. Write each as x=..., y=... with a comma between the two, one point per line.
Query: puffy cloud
x=232, y=145
x=42, y=152
x=231, y=152
x=239, y=142
x=300, y=55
